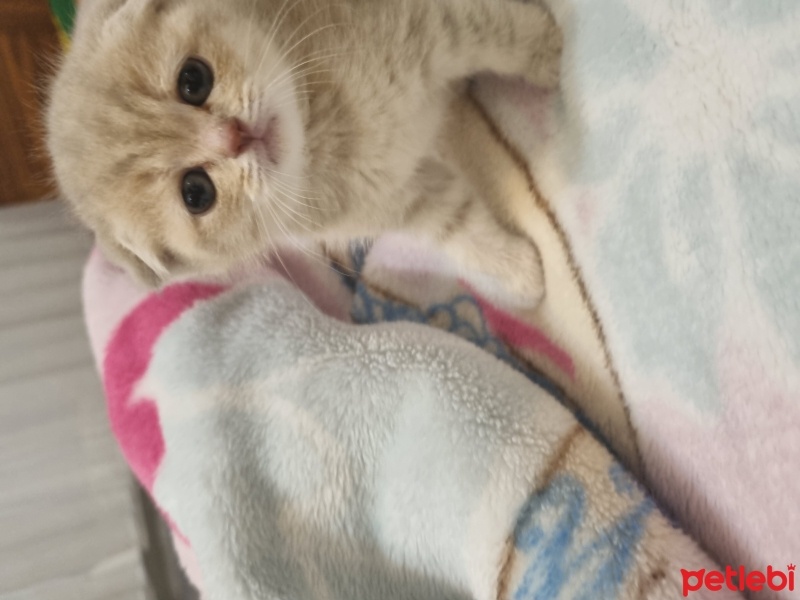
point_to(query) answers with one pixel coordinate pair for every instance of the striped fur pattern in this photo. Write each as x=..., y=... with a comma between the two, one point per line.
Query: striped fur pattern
x=354, y=95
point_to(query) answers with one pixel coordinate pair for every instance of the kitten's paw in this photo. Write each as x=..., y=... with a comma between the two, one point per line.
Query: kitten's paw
x=517, y=283
x=524, y=288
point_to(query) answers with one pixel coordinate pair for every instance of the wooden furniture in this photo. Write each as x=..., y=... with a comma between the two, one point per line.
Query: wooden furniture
x=28, y=45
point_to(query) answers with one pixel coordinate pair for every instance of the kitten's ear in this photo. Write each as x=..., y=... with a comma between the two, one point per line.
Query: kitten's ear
x=139, y=6
x=95, y=16
x=128, y=261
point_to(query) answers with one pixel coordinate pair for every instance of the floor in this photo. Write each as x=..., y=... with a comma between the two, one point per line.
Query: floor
x=74, y=526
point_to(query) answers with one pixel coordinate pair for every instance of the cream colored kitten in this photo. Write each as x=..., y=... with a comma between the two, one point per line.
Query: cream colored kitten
x=192, y=135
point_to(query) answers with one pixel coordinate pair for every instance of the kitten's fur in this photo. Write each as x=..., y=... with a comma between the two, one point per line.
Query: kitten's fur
x=360, y=89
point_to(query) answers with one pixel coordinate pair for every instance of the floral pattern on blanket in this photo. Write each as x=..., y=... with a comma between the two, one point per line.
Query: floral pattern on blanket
x=462, y=314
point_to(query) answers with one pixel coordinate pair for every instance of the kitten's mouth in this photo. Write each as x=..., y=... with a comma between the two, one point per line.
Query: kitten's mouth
x=264, y=141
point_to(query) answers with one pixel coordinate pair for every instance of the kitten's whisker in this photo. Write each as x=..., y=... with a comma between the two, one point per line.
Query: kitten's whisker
x=286, y=212
x=292, y=220
x=289, y=195
x=286, y=100
x=317, y=31
x=251, y=26
x=290, y=188
x=293, y=72
x=308, y=59
x=295, y=196
x=297, y=213
x=315, y=256
x=309, y=84
x=293, y=76
x=301, y=91
x=274, y=249
x=285, y=53
x=296, y=72
x=306, y=20
x=288, y=209
x=301, y=79
x=279, y=18
x=260, y=224
x=302, y=178
x=293, y=241
x=298, y=179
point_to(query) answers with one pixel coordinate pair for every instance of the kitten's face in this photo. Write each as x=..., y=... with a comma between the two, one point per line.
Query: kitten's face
x=174, y=128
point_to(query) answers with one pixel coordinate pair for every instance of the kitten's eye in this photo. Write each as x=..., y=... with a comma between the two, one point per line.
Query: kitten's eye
x=199, y=193
x=195, y=82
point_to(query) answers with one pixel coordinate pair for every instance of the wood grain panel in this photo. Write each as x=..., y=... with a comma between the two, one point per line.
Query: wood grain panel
x=28, y=43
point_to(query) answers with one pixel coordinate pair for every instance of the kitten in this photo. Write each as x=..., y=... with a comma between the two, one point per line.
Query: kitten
x=193, y=135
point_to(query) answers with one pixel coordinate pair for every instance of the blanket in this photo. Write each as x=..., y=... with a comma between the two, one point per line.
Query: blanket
x=673, y=166
x=297, y=456
x=660, y=185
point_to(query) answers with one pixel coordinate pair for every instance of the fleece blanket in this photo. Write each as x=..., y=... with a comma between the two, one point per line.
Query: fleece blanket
x=298, y=456
x=672, y=163
x=660, y=185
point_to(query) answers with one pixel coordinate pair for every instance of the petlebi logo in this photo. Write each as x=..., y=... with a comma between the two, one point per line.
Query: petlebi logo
x=739, y=580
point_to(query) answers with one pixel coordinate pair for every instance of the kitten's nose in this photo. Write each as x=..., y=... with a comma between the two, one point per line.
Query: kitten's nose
x=234, y=138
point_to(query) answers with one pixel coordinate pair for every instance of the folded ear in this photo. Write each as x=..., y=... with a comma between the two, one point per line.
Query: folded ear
x=92, y=14
x=131, y=263
x=102, y=17
x=138, y=6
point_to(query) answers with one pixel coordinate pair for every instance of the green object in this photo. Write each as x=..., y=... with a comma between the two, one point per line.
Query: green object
x=64, y=13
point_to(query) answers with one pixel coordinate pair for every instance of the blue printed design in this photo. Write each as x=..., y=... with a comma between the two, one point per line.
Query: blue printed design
x=461, y=315
x=664, y=314
x=693, y=157
x=746, y=12
x=612, y=42
x=565, y=556
x=624, y=484
x=771, y=236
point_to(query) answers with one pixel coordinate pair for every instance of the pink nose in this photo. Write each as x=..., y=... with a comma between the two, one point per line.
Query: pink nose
x=234, y=138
